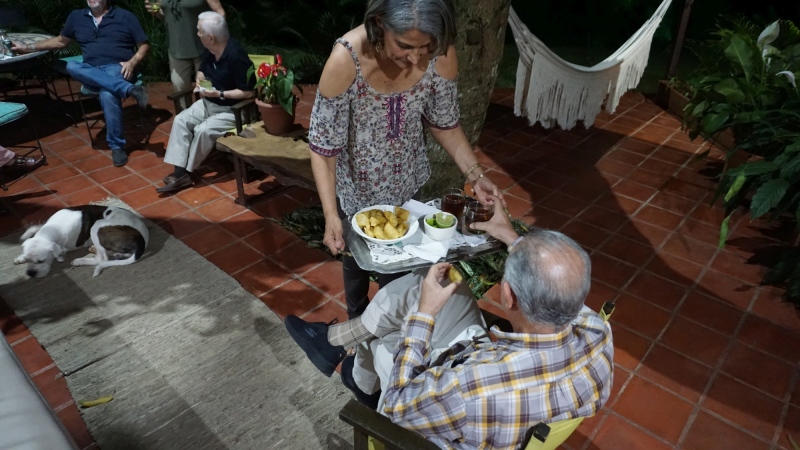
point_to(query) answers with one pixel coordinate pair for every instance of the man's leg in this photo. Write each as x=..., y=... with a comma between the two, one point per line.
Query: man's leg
x=182, y=72
x=178, y=147
x=103, y=77
x=220, y=120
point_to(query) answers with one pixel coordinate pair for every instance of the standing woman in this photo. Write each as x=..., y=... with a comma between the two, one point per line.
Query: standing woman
x=384, y=83
x=185, y=48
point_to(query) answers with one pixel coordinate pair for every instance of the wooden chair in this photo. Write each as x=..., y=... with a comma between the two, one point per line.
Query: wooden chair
x=60, y=66
x=374, y=431
x=11, y=112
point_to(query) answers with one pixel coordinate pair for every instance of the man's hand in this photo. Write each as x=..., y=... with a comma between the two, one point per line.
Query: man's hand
x=127, y=69
x=499, y=225
x=484, y=188
x=434, y=296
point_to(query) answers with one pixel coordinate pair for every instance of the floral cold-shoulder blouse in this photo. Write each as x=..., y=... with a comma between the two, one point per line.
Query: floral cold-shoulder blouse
x=379, y=138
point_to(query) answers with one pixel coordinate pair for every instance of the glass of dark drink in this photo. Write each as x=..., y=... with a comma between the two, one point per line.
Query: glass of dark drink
x=453, y=202
x=477, y=212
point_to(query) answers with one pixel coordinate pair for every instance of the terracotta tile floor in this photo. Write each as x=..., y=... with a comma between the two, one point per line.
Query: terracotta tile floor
x=705, y=357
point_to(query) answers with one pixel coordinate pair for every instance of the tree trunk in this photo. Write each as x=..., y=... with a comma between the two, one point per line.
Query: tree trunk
x=481, y=36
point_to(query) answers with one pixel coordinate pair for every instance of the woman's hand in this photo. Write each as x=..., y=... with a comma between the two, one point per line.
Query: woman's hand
x=333, y=238
x=153, y=8
x=483, y=187
x=499, y=226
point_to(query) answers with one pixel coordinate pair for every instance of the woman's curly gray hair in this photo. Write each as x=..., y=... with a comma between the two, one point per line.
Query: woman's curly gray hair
x=436, y=18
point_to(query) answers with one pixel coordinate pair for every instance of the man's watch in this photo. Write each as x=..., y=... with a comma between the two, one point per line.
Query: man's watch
x=222, y=95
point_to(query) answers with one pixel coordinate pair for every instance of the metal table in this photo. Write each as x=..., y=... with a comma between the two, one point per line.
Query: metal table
x=26, y=61
x=358, y=247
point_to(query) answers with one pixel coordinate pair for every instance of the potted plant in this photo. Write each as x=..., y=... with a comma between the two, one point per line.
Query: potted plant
x=748, y=87
x=274, y=96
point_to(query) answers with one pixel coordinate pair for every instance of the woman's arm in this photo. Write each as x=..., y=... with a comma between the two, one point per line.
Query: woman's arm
x=216, y=6
x=455, y=142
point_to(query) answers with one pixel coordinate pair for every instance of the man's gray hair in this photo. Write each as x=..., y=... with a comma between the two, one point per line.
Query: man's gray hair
x=210, y=22
x=551, y=275
x=436, y=18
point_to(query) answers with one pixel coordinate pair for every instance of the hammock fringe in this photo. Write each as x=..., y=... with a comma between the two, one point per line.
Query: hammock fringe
x=552, y=91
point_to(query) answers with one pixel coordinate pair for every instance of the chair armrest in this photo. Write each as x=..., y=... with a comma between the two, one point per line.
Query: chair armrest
x=178, y=95
x=367, y=422
x=244, y=112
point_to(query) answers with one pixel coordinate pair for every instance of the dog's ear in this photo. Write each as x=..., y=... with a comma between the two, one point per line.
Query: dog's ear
x=58, y=252
x=29, y=233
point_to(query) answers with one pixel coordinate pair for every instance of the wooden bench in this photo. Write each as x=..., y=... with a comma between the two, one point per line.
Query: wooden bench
x=284, y=157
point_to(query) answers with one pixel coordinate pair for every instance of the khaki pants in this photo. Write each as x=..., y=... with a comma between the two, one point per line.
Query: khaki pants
x=182, y=73
x=195, y=131
x=385, y=317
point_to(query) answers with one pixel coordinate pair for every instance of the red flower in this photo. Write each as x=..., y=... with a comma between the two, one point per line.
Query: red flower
x=278, y=59
x=263, y=70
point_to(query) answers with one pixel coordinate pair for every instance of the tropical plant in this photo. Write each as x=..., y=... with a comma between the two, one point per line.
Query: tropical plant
x=748, y=87
x=274, y=83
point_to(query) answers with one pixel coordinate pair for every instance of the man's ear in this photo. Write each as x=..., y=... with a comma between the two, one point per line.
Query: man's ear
x=507, y=297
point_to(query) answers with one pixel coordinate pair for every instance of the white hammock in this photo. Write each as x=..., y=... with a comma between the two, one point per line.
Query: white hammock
x=550, y=90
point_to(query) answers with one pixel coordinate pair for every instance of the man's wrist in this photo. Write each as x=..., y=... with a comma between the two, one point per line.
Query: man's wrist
x=32, y=47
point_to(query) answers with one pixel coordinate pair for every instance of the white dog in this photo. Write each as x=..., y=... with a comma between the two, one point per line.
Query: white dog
x=116, y=233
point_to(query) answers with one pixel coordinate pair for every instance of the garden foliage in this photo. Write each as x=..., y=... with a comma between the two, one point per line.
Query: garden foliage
x=748, y=87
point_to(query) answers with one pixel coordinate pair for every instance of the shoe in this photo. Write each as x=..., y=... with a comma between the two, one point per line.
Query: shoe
x=88, y=91
x=138, y=93
x=312, y=337
x=22, y=165
x=175, y=184
x=119, y=157
x=349, y=382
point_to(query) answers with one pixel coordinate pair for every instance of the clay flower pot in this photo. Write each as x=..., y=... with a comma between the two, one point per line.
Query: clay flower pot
x=276, y=120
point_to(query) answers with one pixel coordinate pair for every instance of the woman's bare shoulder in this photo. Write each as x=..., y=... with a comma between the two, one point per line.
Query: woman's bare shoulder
x=339, y=72
x=447, y=64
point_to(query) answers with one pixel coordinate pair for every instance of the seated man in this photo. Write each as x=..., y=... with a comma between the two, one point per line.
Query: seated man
x=424, y=341
x=195, y=130
x=107, y=36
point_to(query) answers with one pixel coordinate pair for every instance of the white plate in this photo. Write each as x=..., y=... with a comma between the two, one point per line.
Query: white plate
x=413, y=226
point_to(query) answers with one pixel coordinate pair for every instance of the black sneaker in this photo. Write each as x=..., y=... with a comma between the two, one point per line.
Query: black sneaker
x=119, y=157
x=138, y=93
x=312, y=337
x=349, y=382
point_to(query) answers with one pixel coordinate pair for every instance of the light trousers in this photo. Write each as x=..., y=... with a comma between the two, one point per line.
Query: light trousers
x=195, y=131
x=385, y=317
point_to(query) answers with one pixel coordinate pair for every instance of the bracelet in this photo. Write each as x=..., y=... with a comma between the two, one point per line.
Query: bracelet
x=471, y=169
x=516, y=241
x=475, y=180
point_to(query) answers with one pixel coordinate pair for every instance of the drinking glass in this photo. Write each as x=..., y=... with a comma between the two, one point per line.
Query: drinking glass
x=206, y=84
x=477, y=212
x=453, y=202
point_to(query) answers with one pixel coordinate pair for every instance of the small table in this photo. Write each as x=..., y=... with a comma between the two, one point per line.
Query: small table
x=358, y=247
x=26, y=61
x=285, y=157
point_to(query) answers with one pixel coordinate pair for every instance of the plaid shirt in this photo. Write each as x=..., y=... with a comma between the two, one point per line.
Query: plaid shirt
x=488, y=394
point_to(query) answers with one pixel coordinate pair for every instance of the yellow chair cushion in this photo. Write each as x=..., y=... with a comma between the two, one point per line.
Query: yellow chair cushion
x=258, y=59
x=559, y=432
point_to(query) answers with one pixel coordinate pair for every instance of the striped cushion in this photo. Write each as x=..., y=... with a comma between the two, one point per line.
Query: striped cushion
x=10, y=112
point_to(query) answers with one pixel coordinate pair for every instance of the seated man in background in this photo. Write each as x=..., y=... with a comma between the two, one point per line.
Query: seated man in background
x=195, y=130
x=423, y=342
x=108, y=37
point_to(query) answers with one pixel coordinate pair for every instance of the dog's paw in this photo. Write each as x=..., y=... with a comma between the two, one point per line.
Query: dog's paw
x=20, y=260
x=92, y=250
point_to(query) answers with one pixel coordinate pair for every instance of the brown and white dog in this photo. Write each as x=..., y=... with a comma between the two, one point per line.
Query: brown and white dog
x=118, y=235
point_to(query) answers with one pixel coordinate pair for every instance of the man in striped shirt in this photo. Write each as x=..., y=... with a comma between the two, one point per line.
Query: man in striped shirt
x=423, y=341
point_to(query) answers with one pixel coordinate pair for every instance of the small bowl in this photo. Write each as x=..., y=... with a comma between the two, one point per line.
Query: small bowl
x=413, y=226
x=439, y=234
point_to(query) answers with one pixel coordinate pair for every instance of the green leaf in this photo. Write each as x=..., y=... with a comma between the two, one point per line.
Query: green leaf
x=699, y=108
x=791, y=168
x=737, y=184
x=754, y=168
x=767, y=196
x=714, y=122
x=793, y=147
x=723, y=232
x=731, y=91
x=739, y=52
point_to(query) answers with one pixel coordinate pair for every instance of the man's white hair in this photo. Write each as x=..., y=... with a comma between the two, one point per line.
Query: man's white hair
x=211, y=23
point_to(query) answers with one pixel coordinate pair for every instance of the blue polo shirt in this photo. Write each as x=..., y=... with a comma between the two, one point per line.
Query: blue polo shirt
x=229, y=72
x=112, y=42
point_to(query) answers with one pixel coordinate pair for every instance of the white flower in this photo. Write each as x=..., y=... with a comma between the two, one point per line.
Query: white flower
x=790, y=75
